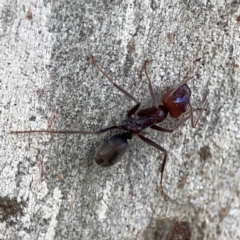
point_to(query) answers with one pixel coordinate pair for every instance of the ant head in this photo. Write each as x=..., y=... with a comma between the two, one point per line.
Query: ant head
x=176, y=100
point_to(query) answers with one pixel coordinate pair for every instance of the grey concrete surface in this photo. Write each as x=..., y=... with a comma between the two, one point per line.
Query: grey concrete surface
x=50, y=188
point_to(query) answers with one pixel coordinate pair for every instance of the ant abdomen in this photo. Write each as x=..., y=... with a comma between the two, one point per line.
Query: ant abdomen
x=112, y=150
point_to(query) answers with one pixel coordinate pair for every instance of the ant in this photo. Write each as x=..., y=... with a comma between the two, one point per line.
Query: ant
x=175, y=102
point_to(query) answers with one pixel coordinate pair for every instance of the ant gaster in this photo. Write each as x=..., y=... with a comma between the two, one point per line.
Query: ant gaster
x=175, y=102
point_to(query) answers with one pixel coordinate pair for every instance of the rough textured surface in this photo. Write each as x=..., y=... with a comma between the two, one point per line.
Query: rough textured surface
x=50, y=188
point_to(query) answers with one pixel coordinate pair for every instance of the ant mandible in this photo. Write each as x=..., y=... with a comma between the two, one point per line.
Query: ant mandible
x=175, y=102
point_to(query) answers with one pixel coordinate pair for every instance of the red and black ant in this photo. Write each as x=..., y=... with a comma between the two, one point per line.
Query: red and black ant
x=176, y=102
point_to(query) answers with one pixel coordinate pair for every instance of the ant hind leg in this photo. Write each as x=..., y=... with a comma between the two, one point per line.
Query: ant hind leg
x=68, y=132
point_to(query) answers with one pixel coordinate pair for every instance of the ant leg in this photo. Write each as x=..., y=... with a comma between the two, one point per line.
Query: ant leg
x=158, y=128
x=155, y=103
x=133, y=110
x=114, y=84
x=146, y=140
x=200, y=114
x=179, y=85
x=67, y=132
x=146, y=111
x=185, y=80
x=182, y=121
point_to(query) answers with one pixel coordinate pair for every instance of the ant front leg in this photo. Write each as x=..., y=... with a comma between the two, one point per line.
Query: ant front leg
x=181, y=122
x=200, y=114
x=148, y=141
x=177, y=101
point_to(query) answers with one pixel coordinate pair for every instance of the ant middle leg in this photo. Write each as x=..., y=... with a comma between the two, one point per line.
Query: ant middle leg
x=114, y=84
x=132, y=110
x=148, y=141
x=153, y=96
